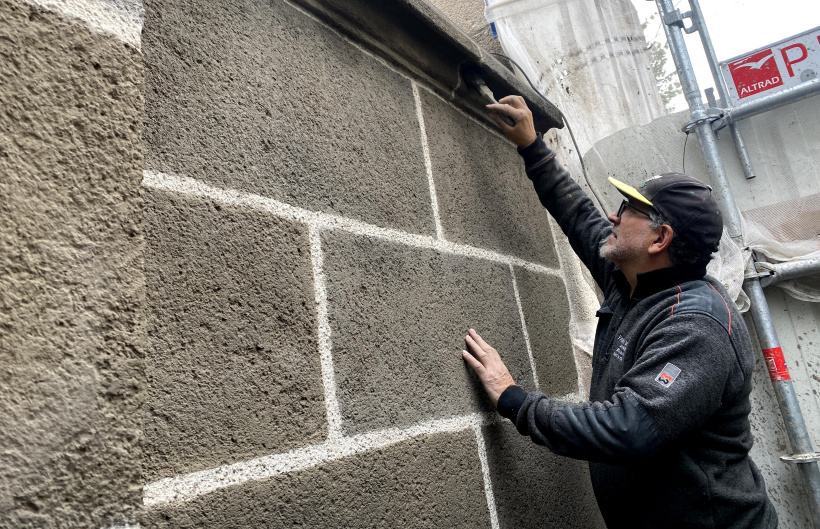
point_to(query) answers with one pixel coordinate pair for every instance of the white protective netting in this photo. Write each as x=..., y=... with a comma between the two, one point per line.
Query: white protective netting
x=785, y=232
x=728, y=266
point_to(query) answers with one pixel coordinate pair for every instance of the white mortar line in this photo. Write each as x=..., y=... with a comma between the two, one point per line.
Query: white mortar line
x=334, y=416
x=324, y=221
x=428, y=164
x=94, y=15
x=485, y=471
x=524, y=327
x=185, y=487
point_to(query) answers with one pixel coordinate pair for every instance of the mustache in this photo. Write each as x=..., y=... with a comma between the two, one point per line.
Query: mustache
x=605, y=238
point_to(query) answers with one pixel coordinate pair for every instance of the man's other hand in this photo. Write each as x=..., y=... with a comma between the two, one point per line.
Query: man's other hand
x=523, y=133
x=487, y=364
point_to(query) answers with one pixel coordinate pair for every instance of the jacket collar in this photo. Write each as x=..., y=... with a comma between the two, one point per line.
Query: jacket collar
x=656, y=280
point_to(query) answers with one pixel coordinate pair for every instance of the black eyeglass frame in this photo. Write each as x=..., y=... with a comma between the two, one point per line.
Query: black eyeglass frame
x=625, y=204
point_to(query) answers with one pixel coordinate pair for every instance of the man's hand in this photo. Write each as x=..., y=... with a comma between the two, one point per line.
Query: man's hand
x=523, y=134
x=487, y=364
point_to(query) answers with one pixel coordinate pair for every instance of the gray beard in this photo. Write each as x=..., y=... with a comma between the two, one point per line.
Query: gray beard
x=616, y=256
x=602, y=247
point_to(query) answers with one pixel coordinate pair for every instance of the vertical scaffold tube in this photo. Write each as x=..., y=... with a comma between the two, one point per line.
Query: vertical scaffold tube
x=706, y=136
x=781, y=380
x=723, y=90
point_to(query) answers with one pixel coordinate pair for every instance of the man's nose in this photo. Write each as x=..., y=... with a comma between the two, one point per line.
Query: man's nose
x=614, y=218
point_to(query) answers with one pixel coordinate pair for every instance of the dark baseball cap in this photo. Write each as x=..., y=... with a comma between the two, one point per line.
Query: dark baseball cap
x=684, y=202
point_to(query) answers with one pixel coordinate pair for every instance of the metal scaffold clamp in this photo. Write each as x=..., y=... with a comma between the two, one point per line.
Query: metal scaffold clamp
x=761, y=270
x=676, y=18
x=712, y=115
x=811, y=457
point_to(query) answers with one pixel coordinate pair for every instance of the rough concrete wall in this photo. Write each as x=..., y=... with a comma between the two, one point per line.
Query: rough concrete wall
x=785, y=151
x=322, y=229
x=71, y=271
x=258, y=322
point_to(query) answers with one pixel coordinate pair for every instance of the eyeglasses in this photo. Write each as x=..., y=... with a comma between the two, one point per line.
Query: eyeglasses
x=625, y=204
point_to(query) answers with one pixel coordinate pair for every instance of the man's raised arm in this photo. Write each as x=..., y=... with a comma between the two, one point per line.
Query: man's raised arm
x=585, y=227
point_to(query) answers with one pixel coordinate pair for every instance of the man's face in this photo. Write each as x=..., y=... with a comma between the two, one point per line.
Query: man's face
x=631, y=237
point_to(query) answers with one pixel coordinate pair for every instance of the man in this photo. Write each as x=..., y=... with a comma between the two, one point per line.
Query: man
x=666, y=431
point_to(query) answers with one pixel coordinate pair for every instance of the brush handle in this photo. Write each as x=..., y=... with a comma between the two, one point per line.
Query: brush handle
x=488, y=96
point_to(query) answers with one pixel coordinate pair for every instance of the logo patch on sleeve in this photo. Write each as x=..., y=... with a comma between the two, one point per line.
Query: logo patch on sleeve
x=668, y=375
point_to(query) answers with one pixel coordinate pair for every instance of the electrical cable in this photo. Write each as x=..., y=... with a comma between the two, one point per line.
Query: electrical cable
x=683, y=170
x=566, y=122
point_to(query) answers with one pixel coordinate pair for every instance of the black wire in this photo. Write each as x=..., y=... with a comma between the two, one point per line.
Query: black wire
x=684, y=153
x=566, y=122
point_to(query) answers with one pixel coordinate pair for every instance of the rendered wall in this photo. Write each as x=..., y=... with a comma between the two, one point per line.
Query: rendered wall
x=785, y=149
x=71, y=272
x=240, y=253
x=322, y=229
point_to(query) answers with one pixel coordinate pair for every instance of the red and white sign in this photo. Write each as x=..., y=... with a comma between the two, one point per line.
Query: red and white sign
x=784, y=64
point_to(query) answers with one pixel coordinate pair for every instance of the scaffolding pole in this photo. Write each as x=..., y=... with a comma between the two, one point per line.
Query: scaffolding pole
x=785, y=271
x=673, y=23
x=723, y=90
x=765, y=103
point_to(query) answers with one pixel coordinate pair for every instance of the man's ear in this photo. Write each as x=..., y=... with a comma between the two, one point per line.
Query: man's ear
x=663, y=239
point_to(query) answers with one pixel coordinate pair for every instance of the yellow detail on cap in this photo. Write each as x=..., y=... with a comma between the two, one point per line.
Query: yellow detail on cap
x=629, y=192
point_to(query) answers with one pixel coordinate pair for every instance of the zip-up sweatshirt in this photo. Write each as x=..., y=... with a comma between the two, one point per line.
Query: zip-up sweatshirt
x=666, y=431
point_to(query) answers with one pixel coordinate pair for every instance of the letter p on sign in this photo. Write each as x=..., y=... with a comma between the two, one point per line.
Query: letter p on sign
x=782, y=65
x=790, y=59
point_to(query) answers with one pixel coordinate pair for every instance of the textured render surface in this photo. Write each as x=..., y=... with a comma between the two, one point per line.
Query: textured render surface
x=546, y=313
x=233, y=362
x=433, y=481
x=71, y=282
x=118, y=19
x=534, y=488
x=411, y=32
x=485, y=198
x=399, y=316
x=258, y=96
x=469, y=16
